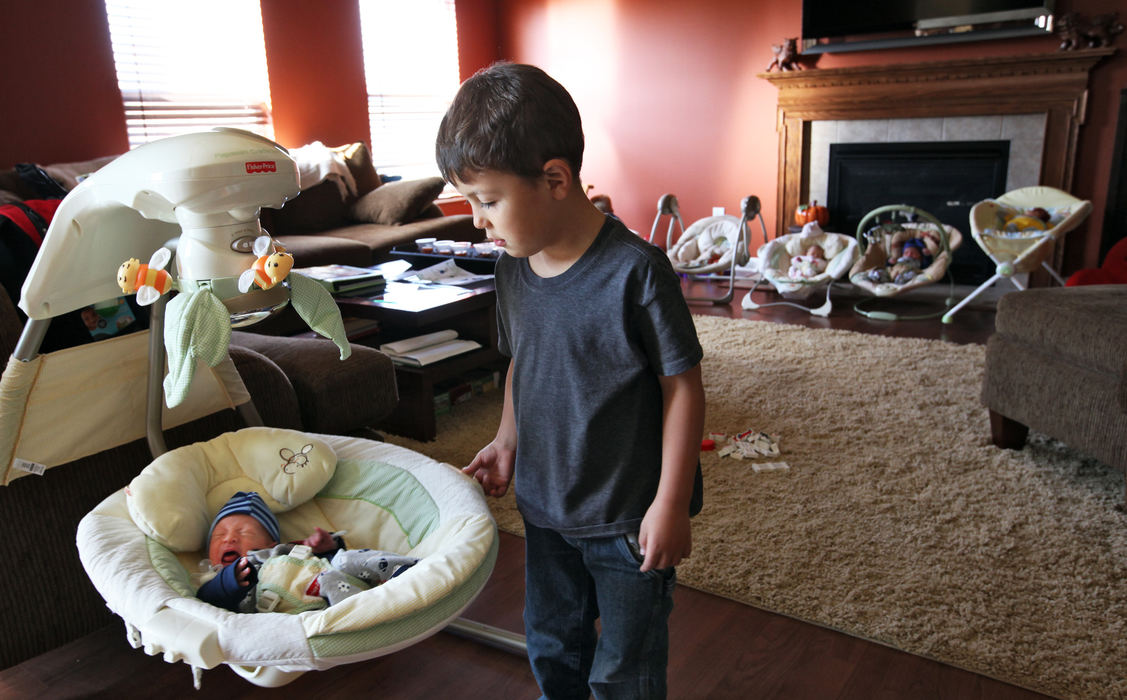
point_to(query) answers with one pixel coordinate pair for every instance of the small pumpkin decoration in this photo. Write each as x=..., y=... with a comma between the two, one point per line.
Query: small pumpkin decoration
x=805, y=213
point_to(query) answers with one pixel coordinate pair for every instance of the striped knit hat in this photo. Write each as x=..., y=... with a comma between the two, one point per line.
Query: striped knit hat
x=248, y=503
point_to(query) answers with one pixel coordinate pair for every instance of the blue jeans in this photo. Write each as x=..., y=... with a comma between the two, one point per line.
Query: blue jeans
x=569, y=583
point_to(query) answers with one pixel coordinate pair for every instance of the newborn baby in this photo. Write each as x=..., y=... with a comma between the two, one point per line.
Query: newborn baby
x=252, y=572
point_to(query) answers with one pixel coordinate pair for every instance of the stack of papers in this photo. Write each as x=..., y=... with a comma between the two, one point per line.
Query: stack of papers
x=428, y=349
x=446, y=272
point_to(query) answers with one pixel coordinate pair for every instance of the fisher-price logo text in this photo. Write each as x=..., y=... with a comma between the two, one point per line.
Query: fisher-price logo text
x=262, y=166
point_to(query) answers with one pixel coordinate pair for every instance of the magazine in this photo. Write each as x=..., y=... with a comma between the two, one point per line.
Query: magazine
x=344, y=278
x=427, y=349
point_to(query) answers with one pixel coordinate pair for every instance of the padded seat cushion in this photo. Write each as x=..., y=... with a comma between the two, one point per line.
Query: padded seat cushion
x=385, y=496
x=1087, y=325
x=175, y=498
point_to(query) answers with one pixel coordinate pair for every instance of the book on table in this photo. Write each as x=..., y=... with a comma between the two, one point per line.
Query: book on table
x=427, y=349
x=341, y=279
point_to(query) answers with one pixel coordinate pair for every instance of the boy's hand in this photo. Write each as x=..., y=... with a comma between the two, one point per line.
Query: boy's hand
x=242, y=571
x=493, y=468
x=665, y=537
x=320, y=541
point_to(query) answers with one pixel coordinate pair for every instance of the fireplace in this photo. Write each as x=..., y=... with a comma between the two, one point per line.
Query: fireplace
x=944, y=178
x=1053, y=84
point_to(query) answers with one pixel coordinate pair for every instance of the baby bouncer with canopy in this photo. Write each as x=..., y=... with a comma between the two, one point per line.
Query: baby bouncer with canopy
x=1018, y=232
x=710, y=245
x=901, y=256
x=201, y=194
x=796, y=274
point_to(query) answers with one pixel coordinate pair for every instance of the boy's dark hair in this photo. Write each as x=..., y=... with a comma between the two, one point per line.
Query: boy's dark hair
x=511, y=118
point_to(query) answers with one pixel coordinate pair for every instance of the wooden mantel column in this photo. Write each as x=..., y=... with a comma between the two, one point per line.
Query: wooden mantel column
x=1055, y=84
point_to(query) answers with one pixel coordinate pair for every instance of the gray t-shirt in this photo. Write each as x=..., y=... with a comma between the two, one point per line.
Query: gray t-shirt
x=588, y=346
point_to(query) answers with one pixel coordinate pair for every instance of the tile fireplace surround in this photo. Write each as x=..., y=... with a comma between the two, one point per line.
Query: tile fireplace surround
x=1036, y=102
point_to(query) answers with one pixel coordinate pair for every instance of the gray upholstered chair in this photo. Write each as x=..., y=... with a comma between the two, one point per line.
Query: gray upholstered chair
x=1057, y=363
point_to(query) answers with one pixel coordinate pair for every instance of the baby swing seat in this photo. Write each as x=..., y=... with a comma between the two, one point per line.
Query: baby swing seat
x=710, y=245
x=879, y=243
x=775, y=262
x=142, y=548
x=1016, y=242
x=142, y=545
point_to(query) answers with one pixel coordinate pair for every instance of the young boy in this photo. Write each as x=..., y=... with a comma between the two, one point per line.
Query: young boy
x=254, y=572
x=604, y=407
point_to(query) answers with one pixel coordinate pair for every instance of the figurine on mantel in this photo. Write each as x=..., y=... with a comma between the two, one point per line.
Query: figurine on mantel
x=786, y=56
x=1080, y=32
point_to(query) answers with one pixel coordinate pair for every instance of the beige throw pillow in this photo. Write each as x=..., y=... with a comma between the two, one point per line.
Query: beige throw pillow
x=397, y=202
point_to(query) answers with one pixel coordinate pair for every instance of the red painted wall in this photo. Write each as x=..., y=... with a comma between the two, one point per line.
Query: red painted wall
x=671, y=101
x=61, y=102
x=315, y=57
x=668, y=91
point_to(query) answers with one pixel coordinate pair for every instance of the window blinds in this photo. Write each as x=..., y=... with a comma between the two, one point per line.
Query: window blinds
x=188, y=66
x=411, y=70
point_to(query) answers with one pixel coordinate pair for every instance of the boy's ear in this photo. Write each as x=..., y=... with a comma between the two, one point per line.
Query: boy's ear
x=558, y=175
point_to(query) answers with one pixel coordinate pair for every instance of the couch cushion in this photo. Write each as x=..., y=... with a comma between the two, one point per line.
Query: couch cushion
x=397, y=202
x=310, y=250
x=381, y=239
x=1087, y=325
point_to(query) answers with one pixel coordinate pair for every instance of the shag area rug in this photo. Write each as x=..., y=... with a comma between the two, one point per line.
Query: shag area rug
x=897, y=520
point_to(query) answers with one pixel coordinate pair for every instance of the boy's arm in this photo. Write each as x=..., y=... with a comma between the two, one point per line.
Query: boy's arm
x=493, y=464
x=665, y=537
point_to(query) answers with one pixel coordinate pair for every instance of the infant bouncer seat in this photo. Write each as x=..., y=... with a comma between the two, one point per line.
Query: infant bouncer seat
x=1018, y=231
x=710, y=245
x=900, y=256
x=142, y=546
x=783, y=263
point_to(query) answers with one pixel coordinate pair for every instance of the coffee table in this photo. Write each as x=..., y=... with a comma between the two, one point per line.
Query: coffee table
x=405, y=310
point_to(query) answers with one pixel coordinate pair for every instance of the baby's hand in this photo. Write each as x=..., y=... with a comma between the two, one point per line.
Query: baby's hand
x=320, y=541
x=242, y=571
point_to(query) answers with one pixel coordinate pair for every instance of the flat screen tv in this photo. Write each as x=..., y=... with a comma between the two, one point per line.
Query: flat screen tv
x=832, y=25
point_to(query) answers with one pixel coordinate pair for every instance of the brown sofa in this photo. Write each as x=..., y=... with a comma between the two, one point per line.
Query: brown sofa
x=1056, y=364
x=319, y=226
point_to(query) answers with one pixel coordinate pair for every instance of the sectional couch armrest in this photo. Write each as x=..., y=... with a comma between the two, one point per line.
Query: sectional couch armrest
x=333, y=396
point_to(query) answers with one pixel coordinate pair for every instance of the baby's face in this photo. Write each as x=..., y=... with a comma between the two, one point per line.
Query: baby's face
x=234, y=536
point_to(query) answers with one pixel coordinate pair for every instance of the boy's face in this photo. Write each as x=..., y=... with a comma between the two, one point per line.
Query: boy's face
x=514, y=211
x=234, y=536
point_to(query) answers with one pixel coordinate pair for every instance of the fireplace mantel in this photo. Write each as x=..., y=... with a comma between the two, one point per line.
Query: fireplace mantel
x=1055, y=84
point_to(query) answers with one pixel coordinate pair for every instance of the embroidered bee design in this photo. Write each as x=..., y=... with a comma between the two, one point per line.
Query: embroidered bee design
x=299, y=459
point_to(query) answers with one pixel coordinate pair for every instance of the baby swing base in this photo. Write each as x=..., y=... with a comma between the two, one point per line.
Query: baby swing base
x=823, y=310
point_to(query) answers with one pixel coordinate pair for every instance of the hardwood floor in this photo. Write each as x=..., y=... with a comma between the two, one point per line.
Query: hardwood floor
x=719, y=649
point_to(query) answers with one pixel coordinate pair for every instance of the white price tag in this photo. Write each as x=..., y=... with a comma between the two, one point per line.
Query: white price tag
x=30, y=467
